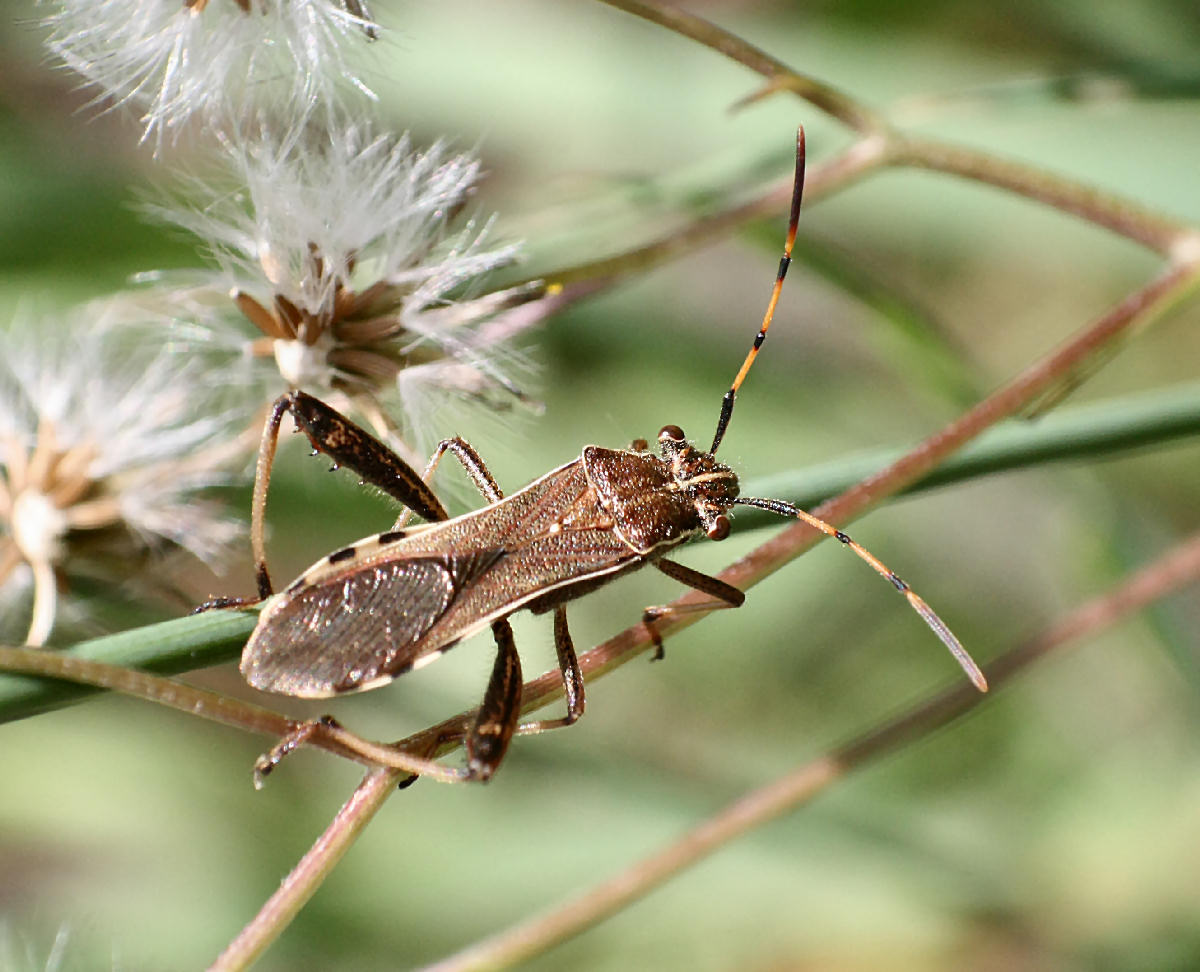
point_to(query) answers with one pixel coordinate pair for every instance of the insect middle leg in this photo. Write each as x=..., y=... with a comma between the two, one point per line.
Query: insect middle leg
x=488, y=738
x=721, y=595
x=572, y=676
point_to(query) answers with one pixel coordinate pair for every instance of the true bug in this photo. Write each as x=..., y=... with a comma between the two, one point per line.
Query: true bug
x=395, y=601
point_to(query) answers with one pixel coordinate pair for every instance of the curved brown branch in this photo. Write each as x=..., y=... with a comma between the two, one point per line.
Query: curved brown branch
x=779, y=76
x=1168, y=237
x=584, y=279
x=299, y=886
x=1178, y=568
x=1153, y=230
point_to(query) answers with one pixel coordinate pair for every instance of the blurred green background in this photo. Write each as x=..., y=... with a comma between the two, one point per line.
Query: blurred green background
x=1055, y=828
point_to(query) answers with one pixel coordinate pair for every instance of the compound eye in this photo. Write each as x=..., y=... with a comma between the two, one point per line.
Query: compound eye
x=670, y=433
x=719, y=529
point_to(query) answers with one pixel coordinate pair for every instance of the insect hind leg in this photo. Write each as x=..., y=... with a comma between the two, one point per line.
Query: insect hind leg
x=350, y=445
x=488, y=739
x=355, y=746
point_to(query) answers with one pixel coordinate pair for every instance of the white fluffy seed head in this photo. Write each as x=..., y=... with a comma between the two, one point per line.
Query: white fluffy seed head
x=102, y=427
x=372, y=208
x=172, y=60
x=347, y=251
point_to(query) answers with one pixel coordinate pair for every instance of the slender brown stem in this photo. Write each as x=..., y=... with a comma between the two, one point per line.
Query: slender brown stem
x=523, y=941
x=154, y=688
x=1160, y=233
x=780, y=77
x=164, y=691
x=312, y=869
x=1153, y=230
x=706, y=229
x=844, y=169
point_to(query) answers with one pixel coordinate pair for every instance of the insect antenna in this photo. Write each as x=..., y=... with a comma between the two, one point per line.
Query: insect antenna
x=784, y=262
x=918, y=604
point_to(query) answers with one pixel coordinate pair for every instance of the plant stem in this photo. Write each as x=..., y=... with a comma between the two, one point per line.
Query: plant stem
x=1165, y=236
x=1153, y=230
x=1092, y=431
x=174, y=646
x=302, y=882
x=174, y=695
x=523, y=941
x=844, y=169
x=780, y=77
x=81, y=675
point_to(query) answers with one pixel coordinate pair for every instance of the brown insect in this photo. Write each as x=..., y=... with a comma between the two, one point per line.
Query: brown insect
x=395, y=601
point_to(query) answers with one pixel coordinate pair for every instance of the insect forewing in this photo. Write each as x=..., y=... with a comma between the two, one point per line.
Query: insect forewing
x=355, y=629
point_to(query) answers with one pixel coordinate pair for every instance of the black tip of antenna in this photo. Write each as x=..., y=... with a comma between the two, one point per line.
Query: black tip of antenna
x=723, y=421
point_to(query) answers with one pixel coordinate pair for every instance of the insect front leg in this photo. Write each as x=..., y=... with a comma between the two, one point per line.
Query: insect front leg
x=722, y=596
x=267, y=447
x=471, y=461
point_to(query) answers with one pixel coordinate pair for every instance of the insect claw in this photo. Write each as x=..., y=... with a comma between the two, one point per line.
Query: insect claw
x=649, y=616
x=484, y=753
x=298, y=736
x=217, y=603
x=262, y=769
